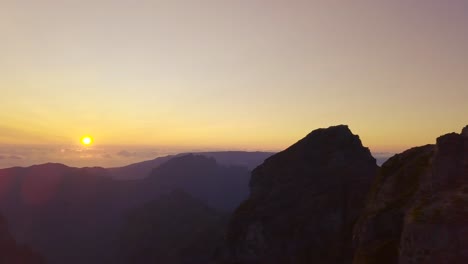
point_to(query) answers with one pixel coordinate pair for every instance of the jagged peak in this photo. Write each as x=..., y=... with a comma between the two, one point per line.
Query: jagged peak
x=332, y=139
x=452, y=138
x=465, y=131
x=342, y=129
x=336, y=137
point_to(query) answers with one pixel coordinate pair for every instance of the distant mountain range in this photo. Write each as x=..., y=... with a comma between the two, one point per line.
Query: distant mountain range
x=140, y=170
x=72, y=215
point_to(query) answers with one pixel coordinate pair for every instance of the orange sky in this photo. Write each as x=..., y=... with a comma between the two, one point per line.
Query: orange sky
x=255, y=75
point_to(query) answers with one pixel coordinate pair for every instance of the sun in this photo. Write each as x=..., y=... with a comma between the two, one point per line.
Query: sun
x=86, y=140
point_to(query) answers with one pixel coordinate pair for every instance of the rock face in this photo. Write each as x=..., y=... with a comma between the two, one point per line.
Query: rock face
x=303, y=202
x=418, y=207
x=12, y=253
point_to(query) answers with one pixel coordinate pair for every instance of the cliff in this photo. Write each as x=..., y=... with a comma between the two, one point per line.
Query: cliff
x=418, y=207
x=303, y=203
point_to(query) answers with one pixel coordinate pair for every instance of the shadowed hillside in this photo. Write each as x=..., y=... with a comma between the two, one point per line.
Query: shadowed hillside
x=418, y=207
x=13, y=253
x=219, y=186
x=175, y=229
x=73, y=215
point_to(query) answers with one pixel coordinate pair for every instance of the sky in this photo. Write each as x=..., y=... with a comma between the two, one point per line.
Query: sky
x=154, y=77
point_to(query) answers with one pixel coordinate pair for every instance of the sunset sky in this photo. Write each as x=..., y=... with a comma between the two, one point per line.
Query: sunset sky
x=216, y=74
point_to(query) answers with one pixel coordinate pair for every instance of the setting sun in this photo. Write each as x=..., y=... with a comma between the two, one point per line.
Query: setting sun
x=87, y=140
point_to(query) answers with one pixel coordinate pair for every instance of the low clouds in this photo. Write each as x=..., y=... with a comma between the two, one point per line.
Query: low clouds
x=106, y=156
x=77, y=156
x=10, y=157
x=126, y=154
x=143, y=154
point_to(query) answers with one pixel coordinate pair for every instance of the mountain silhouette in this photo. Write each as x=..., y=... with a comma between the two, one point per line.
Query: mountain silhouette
x=418, y=207
x=314, y=203
x=72, y=215
x=220, y=187
x=140, y=170
x=303, y=202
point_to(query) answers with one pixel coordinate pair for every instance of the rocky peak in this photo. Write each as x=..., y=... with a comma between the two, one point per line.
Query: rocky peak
x=418, y=207
x=450, y=160
x=303, y=202
x=319, y=156
x=332, y=138
x=465, y=131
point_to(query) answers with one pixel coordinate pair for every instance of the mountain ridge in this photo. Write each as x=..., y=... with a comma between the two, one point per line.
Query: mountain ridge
x=303, y=202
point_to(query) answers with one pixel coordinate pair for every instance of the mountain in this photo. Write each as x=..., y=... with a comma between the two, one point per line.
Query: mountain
x=176, y=228
x=73, y=215
x=250, y=160
x=61, y=211
x=220, y=187
x=303, y=202
x=418, y=207
x=13, y=253
x=140, y=170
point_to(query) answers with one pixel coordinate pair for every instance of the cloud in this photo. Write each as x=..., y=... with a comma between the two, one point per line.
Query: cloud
x=10, y=157
x=144, y=154
x=106, y=156
x=149, y=154
x=126, y=154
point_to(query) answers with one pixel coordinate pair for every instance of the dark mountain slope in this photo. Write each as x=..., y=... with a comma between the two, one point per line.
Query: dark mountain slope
x=221, y=187
x=418, y=207
x=175, y=229
x=72, y=215
x=13, y=253
x=60, y=211
x=138, y=170
x=303, y=203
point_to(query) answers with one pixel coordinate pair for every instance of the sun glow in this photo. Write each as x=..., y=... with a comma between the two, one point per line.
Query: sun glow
x=86, y=140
